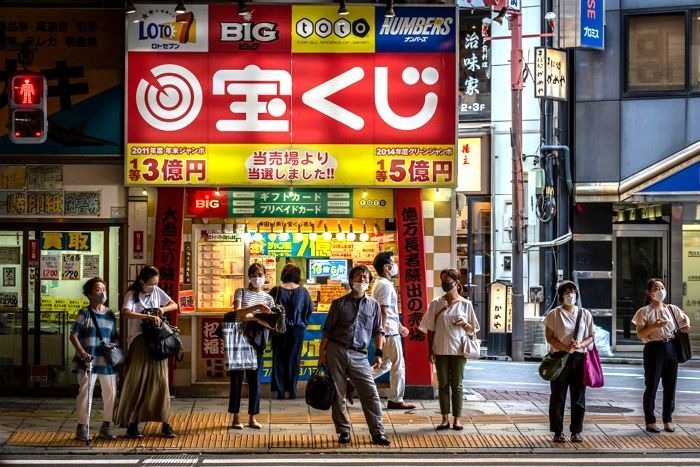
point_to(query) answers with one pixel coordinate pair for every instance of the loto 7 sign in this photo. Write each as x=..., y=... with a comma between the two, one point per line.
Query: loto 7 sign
x=278, y=98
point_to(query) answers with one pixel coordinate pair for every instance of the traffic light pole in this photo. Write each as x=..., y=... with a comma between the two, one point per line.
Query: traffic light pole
x=516, y=84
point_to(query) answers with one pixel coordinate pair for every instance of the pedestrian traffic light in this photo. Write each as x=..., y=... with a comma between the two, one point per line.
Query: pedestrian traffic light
x=28, y=122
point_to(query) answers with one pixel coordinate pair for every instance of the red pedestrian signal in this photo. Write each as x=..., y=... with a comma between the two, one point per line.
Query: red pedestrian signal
x=28, y=119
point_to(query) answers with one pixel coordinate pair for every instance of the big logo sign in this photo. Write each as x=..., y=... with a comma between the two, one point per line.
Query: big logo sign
x=300, y=80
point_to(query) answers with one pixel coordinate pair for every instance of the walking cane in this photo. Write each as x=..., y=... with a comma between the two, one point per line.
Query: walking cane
x=88, y=374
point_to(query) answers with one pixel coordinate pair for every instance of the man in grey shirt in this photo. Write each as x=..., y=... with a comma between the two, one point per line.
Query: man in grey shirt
x=352, y=321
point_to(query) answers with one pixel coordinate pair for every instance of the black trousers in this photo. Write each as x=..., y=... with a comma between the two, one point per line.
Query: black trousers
x=286, y=351
x=660, y=364
x=252, y=377
x=571, y=379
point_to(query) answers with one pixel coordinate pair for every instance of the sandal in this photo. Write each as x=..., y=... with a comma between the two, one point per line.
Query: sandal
x=237, y=426
x=254, y=425
x=669, y=428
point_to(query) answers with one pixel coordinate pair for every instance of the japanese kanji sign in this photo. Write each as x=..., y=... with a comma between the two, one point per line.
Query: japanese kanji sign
x=168, y=243
x=550, y=73
x=308, y=97
x=414, y=295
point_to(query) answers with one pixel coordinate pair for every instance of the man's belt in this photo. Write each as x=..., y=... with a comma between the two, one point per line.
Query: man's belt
x=350, y=347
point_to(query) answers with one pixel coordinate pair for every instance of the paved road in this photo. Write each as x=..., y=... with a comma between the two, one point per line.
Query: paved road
x=577, y=459
x=618, y=379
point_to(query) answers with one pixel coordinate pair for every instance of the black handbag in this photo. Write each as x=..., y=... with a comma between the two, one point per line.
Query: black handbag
x=110, y=351
x=163, y=341
x=320, y=389
x=681, y=341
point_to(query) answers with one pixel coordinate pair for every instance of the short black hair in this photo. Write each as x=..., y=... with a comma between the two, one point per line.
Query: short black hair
x=359, y=268
x=382, y=259
x=563, y=287
x=89, y=286
x=290, y=273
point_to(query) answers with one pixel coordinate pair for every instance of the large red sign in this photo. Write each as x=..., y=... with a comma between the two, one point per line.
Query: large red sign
x=304, y=98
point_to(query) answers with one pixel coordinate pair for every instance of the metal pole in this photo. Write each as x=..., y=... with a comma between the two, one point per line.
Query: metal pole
x=516, y=83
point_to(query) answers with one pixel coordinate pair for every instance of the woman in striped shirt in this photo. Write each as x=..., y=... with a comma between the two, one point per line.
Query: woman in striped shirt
x=247, y=301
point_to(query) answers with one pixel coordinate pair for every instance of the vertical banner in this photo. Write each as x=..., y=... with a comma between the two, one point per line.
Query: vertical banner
x=168, y=241
x=414, y=296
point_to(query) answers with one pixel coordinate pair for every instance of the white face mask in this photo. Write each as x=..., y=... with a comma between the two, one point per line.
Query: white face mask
x=148, y=288
x=660, y=295
x=257, y=282
x=394, y=269
x=570, y=299
x=360, y=287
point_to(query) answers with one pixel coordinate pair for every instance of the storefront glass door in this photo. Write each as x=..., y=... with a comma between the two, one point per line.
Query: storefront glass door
x=41, y=294
x=691, y=281
x=640, y=253
x=12, y=302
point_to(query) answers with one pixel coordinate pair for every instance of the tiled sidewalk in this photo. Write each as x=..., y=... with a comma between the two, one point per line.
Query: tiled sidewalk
x=203, y=424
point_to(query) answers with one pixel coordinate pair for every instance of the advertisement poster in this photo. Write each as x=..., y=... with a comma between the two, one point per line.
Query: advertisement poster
x=71, y=267
x=91, y=266
x=214, y=98
x=50, y=267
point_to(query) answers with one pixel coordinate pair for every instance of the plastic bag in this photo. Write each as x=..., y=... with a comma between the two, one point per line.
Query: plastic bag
x=602, y=342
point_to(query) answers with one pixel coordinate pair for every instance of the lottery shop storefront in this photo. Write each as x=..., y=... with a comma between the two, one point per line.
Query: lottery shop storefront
x=289, y=135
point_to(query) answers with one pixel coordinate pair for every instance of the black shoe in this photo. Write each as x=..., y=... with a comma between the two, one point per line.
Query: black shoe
x=132, y=431
x=559, y=438
x=576, y=438
x=344, y=438
x=280, y=395
x=443, y=426
x=653, y=429
x=668, y=427
x=292, y=395
x=381, y=440
x=167, y=431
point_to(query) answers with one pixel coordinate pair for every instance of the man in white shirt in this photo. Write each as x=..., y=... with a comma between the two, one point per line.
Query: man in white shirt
x=393, y=361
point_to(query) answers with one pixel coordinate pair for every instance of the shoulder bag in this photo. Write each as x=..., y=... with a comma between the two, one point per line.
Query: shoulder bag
x=592, y=369
x=553, y=363
x=110, y=351
x=681, y=341
x=239, y=354
x=320, y=389
x=163, y=341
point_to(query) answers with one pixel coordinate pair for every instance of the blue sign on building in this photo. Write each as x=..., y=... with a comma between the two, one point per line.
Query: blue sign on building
x=683, y=181
x=592, y=32
x=430, y=29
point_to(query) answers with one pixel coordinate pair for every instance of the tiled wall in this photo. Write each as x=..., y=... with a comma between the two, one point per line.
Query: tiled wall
x=438, y=225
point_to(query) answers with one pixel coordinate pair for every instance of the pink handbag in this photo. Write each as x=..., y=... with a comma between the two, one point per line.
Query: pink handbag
x=592, y=371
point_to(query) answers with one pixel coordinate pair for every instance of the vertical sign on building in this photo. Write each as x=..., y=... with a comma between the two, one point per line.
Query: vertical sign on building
x=592, y=28
x=474, y=67
x=168, y=240
x=414, y=295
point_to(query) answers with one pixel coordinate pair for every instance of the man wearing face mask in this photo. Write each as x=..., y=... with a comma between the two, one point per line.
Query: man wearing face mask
x=569, y=329
x=352, y=321
x=384, y=293
x=84, y=337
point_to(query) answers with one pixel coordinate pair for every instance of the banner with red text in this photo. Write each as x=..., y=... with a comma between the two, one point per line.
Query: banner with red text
x=414, y=295
x=291, y=94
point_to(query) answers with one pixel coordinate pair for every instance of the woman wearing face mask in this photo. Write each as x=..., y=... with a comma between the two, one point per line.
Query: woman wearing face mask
x=450, y=320
x=83, y=336
x=569, y=329
x=145, y=395
x=656, y=327
x=247, y=301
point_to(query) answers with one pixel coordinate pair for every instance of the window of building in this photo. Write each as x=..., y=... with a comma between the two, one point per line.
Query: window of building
x=656, y=53
x=695, y=52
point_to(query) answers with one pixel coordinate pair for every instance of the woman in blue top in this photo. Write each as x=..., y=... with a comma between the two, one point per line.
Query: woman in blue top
x=286, y=348
x=84, y=338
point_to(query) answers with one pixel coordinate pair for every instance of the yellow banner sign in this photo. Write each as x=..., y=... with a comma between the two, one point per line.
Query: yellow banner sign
x=320, y=29
x=312, y=165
